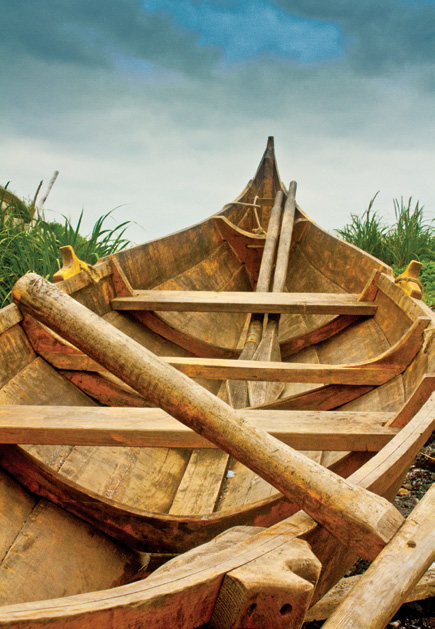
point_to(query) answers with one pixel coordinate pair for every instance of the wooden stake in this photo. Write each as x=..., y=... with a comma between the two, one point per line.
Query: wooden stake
x=359, y=519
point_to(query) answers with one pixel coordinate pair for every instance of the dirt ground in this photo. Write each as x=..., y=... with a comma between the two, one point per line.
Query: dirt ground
x=420, y=614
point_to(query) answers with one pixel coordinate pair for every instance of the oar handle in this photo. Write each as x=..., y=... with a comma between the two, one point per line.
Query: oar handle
x=270, y=245
x=285, y=240
x=360, y=520
x=255, y=329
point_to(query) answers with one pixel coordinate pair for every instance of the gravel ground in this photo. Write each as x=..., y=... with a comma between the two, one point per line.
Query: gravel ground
x=420, y=614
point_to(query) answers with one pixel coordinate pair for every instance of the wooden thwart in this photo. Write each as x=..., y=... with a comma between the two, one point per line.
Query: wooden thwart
x=152, y=427
x=360, y=520
x=221, y=369
x=214, y=301
x=217, y=369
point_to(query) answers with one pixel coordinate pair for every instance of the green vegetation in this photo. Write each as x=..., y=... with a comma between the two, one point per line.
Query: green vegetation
x=28, y=244
x=411, y=237
x=32, y=244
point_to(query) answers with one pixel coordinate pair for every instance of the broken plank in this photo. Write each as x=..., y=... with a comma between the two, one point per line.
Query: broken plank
x=152, y=427
x=213, y=301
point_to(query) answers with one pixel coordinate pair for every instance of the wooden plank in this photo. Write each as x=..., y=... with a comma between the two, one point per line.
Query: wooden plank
x=213, y=301
x=220, y=369
x=80, y=558
x=393, y=573
x=104, y=389
x=322, y=398
x=15, y=353
x=152, y=427
x=294, y=344
x=200, y=486
x=425, y=588
x=419, y=397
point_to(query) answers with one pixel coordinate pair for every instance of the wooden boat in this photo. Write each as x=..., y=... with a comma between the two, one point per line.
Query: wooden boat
x=116, y=482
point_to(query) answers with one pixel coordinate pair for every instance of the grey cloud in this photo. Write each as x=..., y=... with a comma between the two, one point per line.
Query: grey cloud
x=92, y=32
x=379, y=36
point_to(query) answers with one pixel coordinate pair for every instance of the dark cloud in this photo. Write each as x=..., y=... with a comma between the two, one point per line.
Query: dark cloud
x=94, y=32
x=380, y=36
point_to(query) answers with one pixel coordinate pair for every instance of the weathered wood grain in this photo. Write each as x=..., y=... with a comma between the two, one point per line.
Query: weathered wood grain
x=152, y=427
x=366, y=525
x=213, y=301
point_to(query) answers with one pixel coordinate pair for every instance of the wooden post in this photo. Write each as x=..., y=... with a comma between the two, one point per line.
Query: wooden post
x=381, y=590
x=359, y=519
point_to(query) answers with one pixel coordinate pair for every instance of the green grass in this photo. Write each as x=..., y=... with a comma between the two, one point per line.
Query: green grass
x=411, y=237
x=33, y=245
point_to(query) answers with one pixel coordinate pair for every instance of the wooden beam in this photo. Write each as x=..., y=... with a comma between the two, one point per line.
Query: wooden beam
x=214, y=301
x=152, y=427
x=221, y=369
x=217, y=369
x=393, y=574
x=359, y=519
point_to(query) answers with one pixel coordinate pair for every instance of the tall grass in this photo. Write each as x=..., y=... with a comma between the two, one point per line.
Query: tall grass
x=33, y=245
x=411, y=237
x=366, y=231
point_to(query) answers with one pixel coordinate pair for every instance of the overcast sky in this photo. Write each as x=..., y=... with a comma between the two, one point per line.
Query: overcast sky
x=163, y=107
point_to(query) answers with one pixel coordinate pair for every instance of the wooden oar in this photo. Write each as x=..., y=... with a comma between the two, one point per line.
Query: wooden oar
x=359, y=519
x=269, y=349
x=393, y=574
x=238, y=389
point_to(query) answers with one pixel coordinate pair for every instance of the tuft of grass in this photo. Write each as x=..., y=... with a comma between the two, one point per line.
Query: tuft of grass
x=33, y=245
x=411, y=237
x=366, y=231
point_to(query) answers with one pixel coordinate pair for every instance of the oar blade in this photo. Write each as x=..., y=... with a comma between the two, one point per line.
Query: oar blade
x=268, y=350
